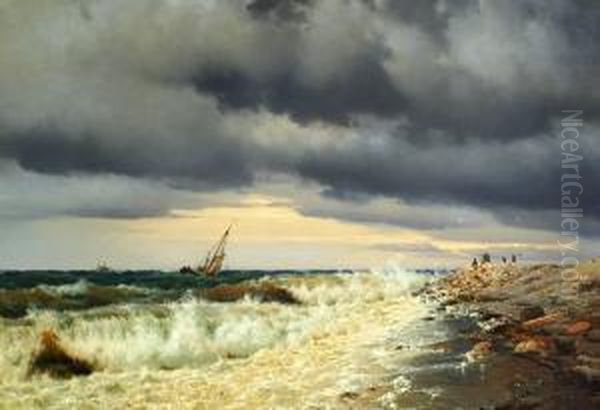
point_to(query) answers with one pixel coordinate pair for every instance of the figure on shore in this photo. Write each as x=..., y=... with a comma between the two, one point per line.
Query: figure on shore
x=504, y=260
x=474, y=264
x=513, y=258
x=486, y=258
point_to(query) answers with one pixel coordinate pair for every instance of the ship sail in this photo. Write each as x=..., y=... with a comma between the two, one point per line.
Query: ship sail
x=215, y=258
x=213, y=263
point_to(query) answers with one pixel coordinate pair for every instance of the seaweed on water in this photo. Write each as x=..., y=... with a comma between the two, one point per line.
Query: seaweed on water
x=15, y=303
x=53, y=359
x=265, y=292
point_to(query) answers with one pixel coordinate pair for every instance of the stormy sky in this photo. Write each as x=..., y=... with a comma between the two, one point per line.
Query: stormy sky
x=436, y=118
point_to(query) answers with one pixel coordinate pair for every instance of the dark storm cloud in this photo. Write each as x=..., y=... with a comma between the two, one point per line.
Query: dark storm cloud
x=431, y=16
x=52, y=151
x=334, y=101
x=473, y=91
x=26, y=195
x=280, y=9
x=520, y=180
x=470, y=69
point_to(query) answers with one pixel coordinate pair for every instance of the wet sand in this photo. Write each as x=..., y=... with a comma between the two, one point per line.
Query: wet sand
x=530, y=336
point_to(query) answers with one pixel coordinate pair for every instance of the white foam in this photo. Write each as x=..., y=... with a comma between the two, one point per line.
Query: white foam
x=334, y=342
x=81, y=287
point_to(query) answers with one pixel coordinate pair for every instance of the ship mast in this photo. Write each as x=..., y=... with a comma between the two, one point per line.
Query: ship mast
x=214, y=260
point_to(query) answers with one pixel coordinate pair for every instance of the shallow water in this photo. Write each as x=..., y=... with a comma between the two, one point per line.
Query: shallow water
x=159, y=346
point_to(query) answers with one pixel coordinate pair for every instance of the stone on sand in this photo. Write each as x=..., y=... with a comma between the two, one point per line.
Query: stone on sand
x=541, y=345
x=531, y=312
x=577, y=328
x=543, y=321
x=479, y=351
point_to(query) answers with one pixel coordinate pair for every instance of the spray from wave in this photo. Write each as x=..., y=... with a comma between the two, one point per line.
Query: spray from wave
x=337, y=329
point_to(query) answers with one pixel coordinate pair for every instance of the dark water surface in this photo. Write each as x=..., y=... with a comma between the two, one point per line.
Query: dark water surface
x=21, y=291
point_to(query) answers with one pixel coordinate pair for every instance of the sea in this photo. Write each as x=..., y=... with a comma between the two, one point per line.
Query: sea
x=157, y=343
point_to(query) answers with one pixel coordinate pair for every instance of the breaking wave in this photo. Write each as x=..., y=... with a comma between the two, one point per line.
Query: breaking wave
x=190, y=352
x=193, y=332
x=80, y=287
x=18, y=303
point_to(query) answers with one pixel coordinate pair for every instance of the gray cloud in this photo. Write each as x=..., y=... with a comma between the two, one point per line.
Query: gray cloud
x=419, y=248
x=500, y=176
x=27, y=195
x=482, y=75
x=424, y=216
x=466, y=96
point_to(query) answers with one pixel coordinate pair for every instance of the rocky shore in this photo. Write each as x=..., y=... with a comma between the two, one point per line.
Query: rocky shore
x=535, y=336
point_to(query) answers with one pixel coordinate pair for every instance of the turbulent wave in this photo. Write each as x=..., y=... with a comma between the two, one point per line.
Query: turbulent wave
x=21, y=292
x=16, y=303
x=72, y=289
x=337, y=312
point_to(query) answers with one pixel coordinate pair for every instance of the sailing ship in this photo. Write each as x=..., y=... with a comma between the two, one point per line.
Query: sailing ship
x=214, y=259
x=102, y=267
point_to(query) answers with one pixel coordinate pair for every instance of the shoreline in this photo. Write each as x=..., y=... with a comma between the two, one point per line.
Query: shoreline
x=532, y=339
x=492, y=337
